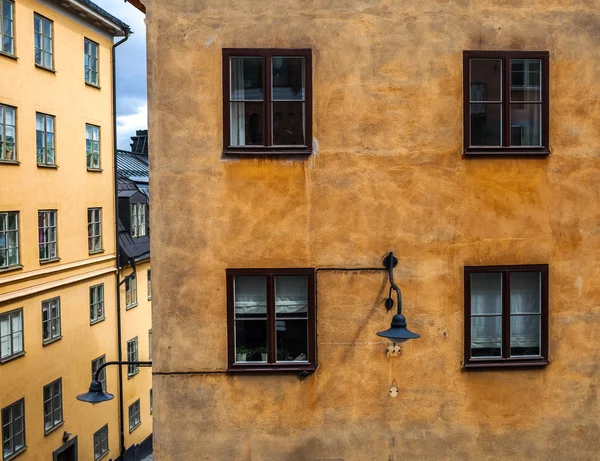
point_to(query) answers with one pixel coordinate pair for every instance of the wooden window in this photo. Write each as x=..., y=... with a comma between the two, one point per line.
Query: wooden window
x=44, y=139
x=90, y=52
x=8, y=133
x=9, y=239
x=94, y=230
x=92, y=146
x=506, y=316
x=150, y=344
x=7, y=33
x=149, y=284
x=138, y=220
x=271, y=319
x=96, y=303
x=150, y=401
x=53, y=414
x=43, y=37
x=132, y=356
x=267, y=101
x=11, y=335
x=131, y=292
x=506, y=102
x=101, y=442
x=47, y=235
x=102, y=376
x=134, y=415
x=13, y=429
x=51, y=330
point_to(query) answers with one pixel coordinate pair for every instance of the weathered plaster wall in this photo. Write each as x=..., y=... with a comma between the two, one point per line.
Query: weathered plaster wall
x=388, y=174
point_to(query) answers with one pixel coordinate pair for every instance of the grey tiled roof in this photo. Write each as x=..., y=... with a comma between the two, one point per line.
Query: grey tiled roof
x=92, y=6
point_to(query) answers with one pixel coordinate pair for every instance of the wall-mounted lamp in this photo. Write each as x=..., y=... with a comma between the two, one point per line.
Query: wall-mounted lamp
x=96, y=394
x=397, y=333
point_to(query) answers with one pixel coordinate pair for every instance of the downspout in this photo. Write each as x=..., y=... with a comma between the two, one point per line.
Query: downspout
x=117, y=253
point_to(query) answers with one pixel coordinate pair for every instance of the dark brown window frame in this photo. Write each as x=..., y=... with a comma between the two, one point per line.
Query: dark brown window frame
x=506, y=361
x=271, y=364
x=268, y=149
x=506, y=149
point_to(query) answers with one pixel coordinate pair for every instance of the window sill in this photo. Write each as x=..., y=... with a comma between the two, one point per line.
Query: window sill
x=93, y=85
x=131, y=429
x=95, y=170
x=10, y=162
x=15, y=267
x=45, y=165
x=48, y=69
x=53, y=428
x=130, y=376
x=12, y=357
x=268, y=368
x=95, y=252
x=48, y=261
x=100, y=320
x=16, y=453
x=508, y=152
x=8, y=55
x=262, y=151
x=103, y=455
x=131, y=307
x=50, y=341
x=506, y=364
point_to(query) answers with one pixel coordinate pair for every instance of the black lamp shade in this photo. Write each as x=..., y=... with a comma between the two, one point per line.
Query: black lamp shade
x=398, y=333
x=96, y=394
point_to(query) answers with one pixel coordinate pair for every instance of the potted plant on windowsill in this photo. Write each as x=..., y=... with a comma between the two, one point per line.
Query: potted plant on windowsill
x=241, y=354
x=263, y=353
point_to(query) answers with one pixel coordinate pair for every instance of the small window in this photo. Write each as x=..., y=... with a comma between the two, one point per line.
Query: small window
x=267, y=105
x=13, y=429
x=150, y=401
x=506, y=102
x=150, y=344
x=134, y=415
x=94, y=229
x=92, y=146
x=506, y=316
x=149, y=284
x=271, y=319
x=102, y=376
x=8, y=133
x=96, y=303
x=7, y=32
x=9, y=239
x=90, y=51
x=44, y=139
x=11, y=335
x=51, y=320
x=43, y=36
x=131, y=292
x=47, y=234
x=132, y=356
x=53, y=414
x=138, y=219
x=101, y=442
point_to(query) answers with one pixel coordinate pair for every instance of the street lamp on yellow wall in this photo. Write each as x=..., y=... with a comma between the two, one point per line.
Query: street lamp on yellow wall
x=96, y=393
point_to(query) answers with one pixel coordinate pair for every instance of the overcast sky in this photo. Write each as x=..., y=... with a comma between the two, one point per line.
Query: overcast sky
x=132, y=109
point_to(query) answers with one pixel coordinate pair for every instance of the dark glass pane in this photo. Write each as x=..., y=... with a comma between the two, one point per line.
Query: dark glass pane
x=486, y=293
x=486, y=79
x=247, y=79
x=292, y=340
x=486, y=336
x=247, y=123
x=525, y=124
x=250, y=296
x=525, y=335
x=288, y=78
x=525, y=293
x=525, y=80
x=291, y=296
x=288, y=124
x=250, y=340
x=486, y=124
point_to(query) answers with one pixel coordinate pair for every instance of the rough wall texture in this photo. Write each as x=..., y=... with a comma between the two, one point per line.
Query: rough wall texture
x=387, y=174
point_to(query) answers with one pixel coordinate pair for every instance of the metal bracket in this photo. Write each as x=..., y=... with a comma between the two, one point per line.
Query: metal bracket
x=386, y=260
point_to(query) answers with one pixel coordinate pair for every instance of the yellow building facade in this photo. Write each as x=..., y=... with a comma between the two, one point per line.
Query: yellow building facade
x=58, y=315
x=404, y=96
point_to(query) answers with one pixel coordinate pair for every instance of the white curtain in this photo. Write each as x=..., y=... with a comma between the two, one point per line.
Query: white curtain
x=238, y=109
x=250, y=295
x=291, y=294
x=525, y=299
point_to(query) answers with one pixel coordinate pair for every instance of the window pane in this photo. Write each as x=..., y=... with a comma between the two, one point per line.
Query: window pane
x=247, y=79
x=525, y=293
x=486, y=124
x=292, y=340
x=288, y=78
x=250, y=340
x=250, y=296
x=486, y=336
x=486, y=293
x=525, y=335
x=247, y=121
x=526, y=124
x=288, y=123
x=291, y=296
x=486, y=80
x=525, y=80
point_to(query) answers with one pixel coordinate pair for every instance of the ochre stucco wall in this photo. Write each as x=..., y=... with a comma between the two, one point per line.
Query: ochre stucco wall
x=387, y=173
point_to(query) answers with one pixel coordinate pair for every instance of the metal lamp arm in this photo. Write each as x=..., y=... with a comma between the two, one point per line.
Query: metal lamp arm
x=119, y=362
x=391, y=262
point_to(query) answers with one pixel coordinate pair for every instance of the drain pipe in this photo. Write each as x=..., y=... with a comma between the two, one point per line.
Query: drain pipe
x=117, y=253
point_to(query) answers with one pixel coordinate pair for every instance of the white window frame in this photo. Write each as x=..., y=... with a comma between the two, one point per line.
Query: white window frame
x=8, y=232
x=132, y=356
x=95, y=365
x=138, y=220
x=51, y=308
x=49, y=243
x=11, y=336
x=9, y=423
x=56, y=407
x=10, y=18
x=101, y=442
x=92, y=146
x=8, y=154
x=149, y=284
x=94, y=230
x=97, y=303
x=46, y=42
x=90, y=62
x=131, y=292
x=45, y=155
x=134, y=416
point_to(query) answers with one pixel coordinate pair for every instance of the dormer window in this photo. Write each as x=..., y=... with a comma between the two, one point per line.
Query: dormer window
x=138, y=219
